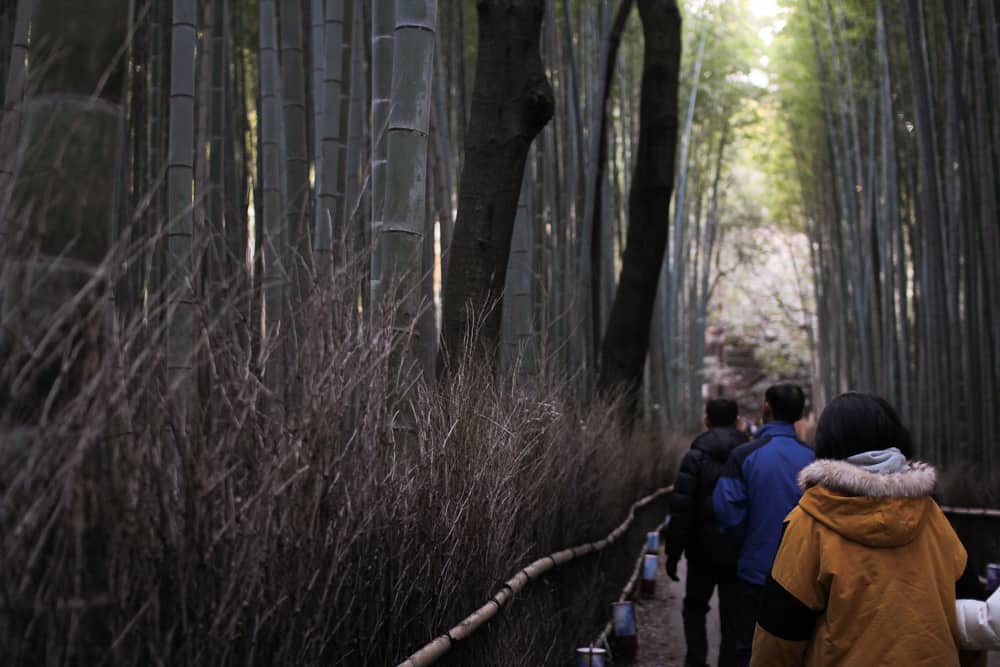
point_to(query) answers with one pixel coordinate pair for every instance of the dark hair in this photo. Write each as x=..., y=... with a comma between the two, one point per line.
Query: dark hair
x=787, y=402
x=854, y=422
x=721, y=412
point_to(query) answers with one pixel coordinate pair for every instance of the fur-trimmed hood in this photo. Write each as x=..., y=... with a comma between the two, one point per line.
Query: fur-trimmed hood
x=918, y=480
x=866, y=507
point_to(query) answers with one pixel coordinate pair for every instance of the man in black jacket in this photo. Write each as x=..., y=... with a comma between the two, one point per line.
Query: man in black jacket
x=693, y=530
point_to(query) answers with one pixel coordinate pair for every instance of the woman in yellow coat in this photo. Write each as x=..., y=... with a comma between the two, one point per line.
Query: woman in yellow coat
x=869, y=567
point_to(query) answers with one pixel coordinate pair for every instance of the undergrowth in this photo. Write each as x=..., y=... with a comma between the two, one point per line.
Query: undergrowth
x=297, y=532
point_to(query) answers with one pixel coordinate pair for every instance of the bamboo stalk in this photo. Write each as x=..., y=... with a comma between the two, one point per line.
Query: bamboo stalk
x=180, y=173
x=10, y=118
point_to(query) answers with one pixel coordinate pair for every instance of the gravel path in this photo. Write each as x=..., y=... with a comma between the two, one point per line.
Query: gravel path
x=659, y=625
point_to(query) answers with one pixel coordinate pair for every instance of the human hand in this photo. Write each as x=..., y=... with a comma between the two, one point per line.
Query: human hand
x=671, y=567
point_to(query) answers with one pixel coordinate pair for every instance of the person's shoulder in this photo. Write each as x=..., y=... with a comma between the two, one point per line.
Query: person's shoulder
x=801, y=526
x=732, y=436
x=800, y=518
x=742, y=452
x=716, y=442
x=701, y=440
x=752, y=445
x=692, y=458
x=936, y=520
x=799, y=449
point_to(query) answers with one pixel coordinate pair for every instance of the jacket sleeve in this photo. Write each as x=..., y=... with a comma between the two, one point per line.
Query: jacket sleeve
x=729, y=500
x=979, y=624
x=794, y=598
x=682, y=504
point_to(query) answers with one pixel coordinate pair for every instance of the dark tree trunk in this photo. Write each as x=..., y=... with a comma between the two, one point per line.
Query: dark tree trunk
x=595, y=190
x=511, y=103
x=627, y=338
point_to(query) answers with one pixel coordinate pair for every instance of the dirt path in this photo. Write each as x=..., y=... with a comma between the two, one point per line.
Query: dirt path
x=659, y=624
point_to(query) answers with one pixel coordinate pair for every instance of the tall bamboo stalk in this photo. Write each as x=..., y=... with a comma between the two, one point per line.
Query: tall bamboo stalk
x=383, y=21
x=221, y=265
x=672, y=267
x=10, y=120
x=180, y=176
x=332, y=126
x=401, y=237
x=298, y=259
x=518, y=327
x=275, y=238
x=356, y=214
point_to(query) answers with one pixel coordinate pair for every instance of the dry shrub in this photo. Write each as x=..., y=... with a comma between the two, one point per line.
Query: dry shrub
x=313, y=535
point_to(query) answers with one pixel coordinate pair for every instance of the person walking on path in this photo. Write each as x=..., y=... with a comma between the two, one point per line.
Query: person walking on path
x=756, y=491
x=693, y=531
x=869, y=568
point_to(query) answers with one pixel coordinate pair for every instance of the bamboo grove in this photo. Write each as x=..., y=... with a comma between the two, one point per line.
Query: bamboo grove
x=314, y=311
x=265, y=147
x=249, y=154
x=229, y=233
x=891, y=109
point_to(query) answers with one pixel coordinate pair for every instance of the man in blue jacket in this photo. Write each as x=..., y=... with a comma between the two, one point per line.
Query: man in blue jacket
x=757, y=489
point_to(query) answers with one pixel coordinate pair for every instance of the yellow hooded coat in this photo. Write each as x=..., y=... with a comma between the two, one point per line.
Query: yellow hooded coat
x=865, y=574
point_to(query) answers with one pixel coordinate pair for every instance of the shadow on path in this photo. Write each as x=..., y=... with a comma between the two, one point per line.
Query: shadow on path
x=660, y=627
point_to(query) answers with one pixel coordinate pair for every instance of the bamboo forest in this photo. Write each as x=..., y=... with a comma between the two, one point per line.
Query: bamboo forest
x=322, y=318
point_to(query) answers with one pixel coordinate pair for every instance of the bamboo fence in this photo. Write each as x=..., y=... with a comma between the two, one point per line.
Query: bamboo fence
x=442, y=644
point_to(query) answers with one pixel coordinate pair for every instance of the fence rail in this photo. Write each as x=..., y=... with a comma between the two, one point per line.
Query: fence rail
x=441, y=645
x=972, y=511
